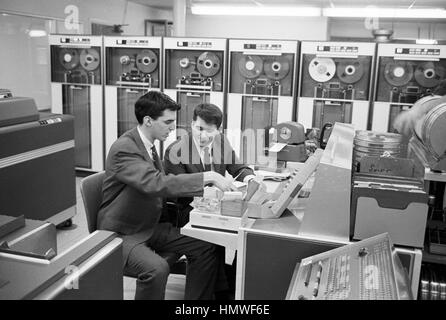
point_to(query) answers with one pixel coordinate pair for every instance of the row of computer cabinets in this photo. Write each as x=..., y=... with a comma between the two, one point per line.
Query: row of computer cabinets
x=256, y=83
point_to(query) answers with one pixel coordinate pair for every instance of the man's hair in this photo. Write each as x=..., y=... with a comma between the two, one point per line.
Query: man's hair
x=153, y=104
x=210, y=113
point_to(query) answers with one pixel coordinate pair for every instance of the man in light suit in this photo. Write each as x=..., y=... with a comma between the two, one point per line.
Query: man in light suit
x=204, y=150
x=133, y=196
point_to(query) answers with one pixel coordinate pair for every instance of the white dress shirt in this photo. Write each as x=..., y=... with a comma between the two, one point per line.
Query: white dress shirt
x=201, y=153
x=146, y=143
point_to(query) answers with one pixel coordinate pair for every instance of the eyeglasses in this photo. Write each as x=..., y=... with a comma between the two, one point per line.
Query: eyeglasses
x=209, y=132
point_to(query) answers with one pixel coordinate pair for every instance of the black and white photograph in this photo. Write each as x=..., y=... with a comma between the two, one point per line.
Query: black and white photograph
x=230, y=158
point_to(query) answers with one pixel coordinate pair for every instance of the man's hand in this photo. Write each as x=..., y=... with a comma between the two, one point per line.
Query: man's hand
x=405, y=122
x=219, y=181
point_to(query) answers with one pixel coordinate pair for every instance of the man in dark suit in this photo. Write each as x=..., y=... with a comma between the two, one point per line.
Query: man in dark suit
x=204, y=150
x=133, y=196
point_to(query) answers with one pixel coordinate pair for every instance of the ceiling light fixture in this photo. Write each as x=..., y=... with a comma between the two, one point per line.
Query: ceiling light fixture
x=239, y=10
x=435, y=13
x=36, y=33
x=426, y=41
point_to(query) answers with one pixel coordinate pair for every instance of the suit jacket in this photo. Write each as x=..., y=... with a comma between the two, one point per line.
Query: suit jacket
x=182, y=157
x=134, y=188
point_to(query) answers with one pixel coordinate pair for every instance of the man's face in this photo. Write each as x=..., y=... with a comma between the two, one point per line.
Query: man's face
x=203, y=132
x=161, y=127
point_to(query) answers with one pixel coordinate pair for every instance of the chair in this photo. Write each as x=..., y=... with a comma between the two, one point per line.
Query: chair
x=91, y=191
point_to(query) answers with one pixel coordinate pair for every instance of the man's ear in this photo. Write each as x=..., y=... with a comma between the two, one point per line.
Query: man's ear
x=148, y=121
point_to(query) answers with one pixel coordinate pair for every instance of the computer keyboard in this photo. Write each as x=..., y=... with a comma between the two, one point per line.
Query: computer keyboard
x=375, y=273
x=363, y=270
x=338, y=284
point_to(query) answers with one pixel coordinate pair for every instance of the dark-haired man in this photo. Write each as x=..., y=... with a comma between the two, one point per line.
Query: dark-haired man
x=204, y=150
x=133, y=196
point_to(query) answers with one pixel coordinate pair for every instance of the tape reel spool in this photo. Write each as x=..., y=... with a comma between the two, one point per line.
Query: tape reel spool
x=89, y=59
x=276, y=68
x=398, y=73
x=184, y=62
x=349, y=71
x=322, y=69
x=208, y=64
x=429, y=74
x=250, y=66
x=147, y=61
x=69, y=58
x=124, y=60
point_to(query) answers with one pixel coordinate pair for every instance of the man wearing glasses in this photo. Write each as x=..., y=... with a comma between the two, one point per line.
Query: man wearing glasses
x=204, y=149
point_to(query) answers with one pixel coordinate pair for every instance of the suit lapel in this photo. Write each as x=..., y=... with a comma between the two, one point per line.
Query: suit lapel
x=135, y=134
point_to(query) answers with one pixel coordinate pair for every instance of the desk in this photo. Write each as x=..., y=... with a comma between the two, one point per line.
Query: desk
x=92, y=268
x=268, y=253
x=434, y=176
x=225, y=239
x=270, y=249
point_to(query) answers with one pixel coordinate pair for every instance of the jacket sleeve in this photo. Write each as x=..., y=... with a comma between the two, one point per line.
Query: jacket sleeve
x=132, y=169
x=235, y=167
x=173, y=163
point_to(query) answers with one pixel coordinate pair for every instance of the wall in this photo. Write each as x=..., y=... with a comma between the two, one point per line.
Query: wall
x=294, y=28
x=101, y=11
x=24, y=61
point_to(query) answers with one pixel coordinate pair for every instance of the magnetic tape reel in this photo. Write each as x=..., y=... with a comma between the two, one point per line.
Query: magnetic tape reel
x=276, y=68
x=125, y=60
x=349, y=71
x=429, y=74
x=398, y=73
x=208, y=64
x=89, y=59
x=322, y=69
x=184, y=62
x=250, y=66
x=69, y=58
x=147, y=61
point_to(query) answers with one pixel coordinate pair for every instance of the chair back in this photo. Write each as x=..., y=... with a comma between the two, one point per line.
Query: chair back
x=91, y=191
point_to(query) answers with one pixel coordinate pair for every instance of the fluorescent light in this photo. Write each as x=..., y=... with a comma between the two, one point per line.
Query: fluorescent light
x=426, y=41
x=436, y=13
x=237, y=10
x=34, y=33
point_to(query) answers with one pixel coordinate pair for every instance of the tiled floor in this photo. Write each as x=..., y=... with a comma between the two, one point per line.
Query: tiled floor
x=67, y=237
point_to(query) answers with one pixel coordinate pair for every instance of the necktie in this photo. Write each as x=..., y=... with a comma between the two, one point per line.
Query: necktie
x=206, y=159
x=156, y=159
